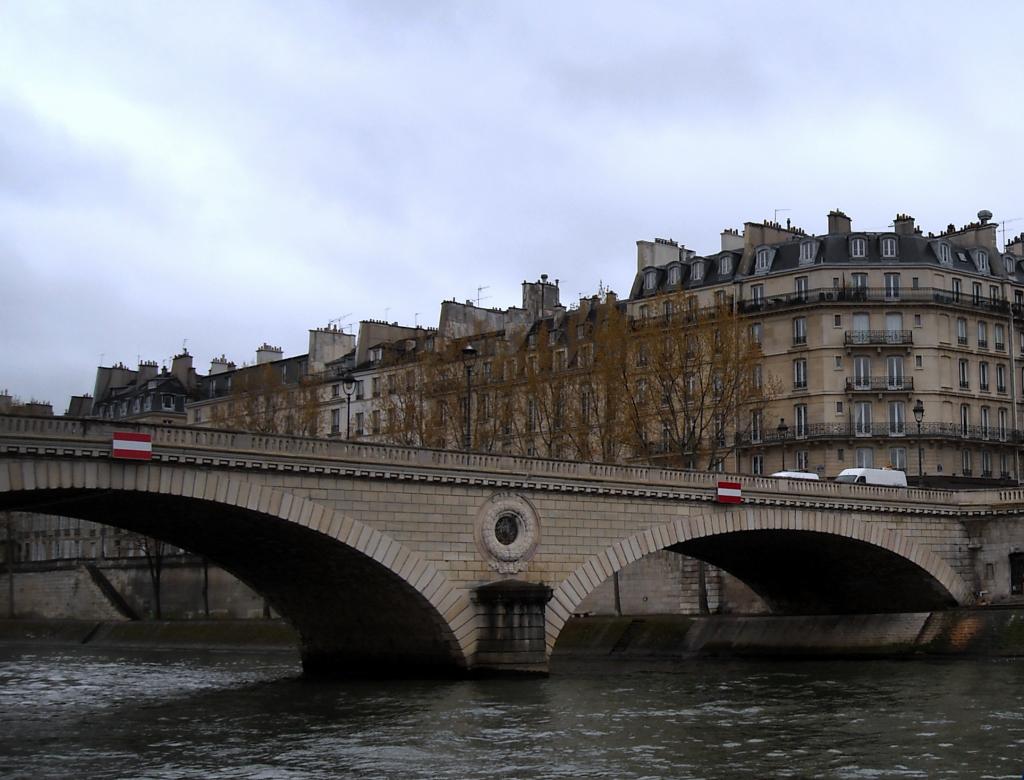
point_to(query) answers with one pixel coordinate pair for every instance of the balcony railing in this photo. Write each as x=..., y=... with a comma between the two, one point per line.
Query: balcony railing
x=902, y=430
x=879, y=337
x=878, y=295
x=878, y=383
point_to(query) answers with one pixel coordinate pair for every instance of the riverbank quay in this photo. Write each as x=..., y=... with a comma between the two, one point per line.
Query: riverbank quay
x=259, y=635
x=991, y=631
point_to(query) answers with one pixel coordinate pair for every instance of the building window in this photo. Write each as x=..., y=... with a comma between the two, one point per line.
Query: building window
x=983, y=335
x=860, y=281
x=757, y=464
x=965, y=462
x=837, y=361
x=697, y=271
x=839, y=407
x=725, y=265
x=965, y=381
x=918, y=361
x=961, y=331
x=167, y=401
x=756, y=418
x=375, y=420
x=673, y=275
x=840, y=454
x=865, y=458
x=800, y=374
x=858, y=247
x=757, y=332
x=983, y=376
x=957, y=289
x=800, y=416
x=1001, y=417
x=892, y=285
x=650, y=279
x=1000, y=337
x=360, y=427
x=898, y=458
x=803, y=459
x=945, y=256
x=917, y=321
x=757, y=294
x=801, y=288
x=837, y=320
x=986, y=463
x=965, y=419
x=806, y=252
x=335, y=421
x=976, y=293
x=888, y=247
x=764, y=257
x=897, y=418
x=862, y=418
x=1000, y=378
x=799, y=330
x=982, y=261
x=985, y=422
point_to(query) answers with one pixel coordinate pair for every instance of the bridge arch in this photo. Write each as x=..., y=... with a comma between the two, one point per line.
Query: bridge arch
x=336, y=579
x=830, y=546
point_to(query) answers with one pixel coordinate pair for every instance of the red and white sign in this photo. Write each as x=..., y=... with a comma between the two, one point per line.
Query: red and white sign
x=729, y=493
x=134, y=446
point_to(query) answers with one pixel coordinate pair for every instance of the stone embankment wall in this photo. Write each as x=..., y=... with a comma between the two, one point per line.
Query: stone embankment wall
x=980, y=632
x=66, y=590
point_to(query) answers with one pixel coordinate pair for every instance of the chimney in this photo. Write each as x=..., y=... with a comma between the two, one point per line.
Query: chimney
x=266, y=353
x=220, y=364
x=903, y=225
x=181, y=367
x=147, y=371
x=1015, y=246
x=838, y=222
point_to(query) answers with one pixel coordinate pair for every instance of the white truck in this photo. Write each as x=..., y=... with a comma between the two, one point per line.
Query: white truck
x=887, y=477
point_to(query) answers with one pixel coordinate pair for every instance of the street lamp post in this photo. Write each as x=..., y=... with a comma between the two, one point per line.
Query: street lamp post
x=468, y=356
x=919, y=416
x=783, y=429
x=348, y=384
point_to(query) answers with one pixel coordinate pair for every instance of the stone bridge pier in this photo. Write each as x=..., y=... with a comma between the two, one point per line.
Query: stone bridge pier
x=402, y=561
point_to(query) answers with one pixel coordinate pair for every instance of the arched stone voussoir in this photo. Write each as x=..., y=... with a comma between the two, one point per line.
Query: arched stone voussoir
x=579, y=584
x=174, y=481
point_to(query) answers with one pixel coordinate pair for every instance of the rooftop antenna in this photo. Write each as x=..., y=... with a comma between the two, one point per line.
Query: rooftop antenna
x=342, y=321
x=775, y=218
x=1002, y=228
x=184, y=346
x=480, y=290
x=416, y=319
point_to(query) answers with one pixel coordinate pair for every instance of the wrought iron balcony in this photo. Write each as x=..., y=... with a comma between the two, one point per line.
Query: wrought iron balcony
x=877, y=295
x=903, y=430
x=881, y=384
x=878, y=337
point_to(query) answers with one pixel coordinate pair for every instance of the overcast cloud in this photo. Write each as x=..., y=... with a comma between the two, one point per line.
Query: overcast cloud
x=230, y=173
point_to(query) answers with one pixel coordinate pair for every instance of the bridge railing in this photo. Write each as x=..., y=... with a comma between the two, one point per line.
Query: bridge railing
x=220, y=444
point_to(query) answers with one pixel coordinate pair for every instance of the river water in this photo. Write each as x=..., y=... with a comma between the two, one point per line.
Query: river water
x=95, y=713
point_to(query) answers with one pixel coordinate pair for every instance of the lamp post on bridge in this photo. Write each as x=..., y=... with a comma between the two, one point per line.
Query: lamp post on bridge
x=919, y=416
x=348, y=384
x=782, y=430
x=468, y=356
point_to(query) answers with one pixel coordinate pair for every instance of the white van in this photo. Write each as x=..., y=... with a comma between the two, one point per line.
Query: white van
x=888, y=477
x=795, y=474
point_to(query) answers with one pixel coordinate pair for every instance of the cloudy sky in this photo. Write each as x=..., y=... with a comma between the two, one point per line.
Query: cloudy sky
x=227, y=173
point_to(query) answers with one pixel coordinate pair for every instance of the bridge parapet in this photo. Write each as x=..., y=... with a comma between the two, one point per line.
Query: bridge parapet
x=212, y=447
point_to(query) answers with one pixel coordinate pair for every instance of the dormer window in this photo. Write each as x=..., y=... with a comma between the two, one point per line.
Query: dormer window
x=673, y=275
x=806, y=252
x=1008, y=263
x=725, y=265
x=697, y=272
x=376, y=354
x=945, y=256
x=764, y=259
x=858, y=247
x=888, y=247
x=982, y=258
x=650, y=279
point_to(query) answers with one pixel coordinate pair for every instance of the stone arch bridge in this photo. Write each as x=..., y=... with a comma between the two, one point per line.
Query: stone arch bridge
x=392, y=559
